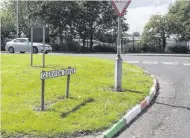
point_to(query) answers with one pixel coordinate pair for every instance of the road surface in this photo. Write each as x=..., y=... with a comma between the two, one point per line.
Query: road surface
x=169, y=116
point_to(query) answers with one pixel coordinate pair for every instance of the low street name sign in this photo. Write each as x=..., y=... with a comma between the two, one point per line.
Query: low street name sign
x=53, y=74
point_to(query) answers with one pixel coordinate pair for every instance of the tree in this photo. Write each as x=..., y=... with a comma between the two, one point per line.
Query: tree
x=59, y=15
x=94, y=19
x=155, y=33
x=8, y=22
x=175, y=23
x=174, y=26
x=179, y=20
x=80, y=22
x=136, y=34
x=108, y=28
x=67, y=19
x=97, y=20
x=24, y=9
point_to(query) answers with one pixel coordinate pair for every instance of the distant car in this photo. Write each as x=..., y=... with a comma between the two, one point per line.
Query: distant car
x=23, y=45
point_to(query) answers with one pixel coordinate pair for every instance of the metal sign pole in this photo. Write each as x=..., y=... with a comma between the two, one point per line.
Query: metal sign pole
x=118, y=61
x=42, y=94
x=67, y=88
x=31, y=58
x=43, y=60
x=120, y=8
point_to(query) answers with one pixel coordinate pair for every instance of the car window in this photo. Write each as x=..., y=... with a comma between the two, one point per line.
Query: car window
x=20, y=41
x=16, y=41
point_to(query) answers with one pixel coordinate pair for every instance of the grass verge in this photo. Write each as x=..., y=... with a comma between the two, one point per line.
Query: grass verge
x=92, y=105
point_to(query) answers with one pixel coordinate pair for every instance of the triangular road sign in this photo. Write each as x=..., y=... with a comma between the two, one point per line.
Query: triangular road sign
x=120, y=6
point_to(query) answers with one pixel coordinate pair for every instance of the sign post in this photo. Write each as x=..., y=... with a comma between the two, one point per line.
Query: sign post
x=120, y=7
x=53, y=74
x=38, y=34
x=67, y=89
x=42, y=94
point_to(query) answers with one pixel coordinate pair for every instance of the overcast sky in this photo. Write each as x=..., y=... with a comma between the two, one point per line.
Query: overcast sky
x=139, y=12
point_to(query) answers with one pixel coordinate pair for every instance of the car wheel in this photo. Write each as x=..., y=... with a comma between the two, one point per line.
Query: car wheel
x=22, y=52
x=11, y=50
x=35, y=50
x=46, y=52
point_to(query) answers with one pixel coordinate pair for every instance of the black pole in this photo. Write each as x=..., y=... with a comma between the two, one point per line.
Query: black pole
x=67, y=89
x=42, y=95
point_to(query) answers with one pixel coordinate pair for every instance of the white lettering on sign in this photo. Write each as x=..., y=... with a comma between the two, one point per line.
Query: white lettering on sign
x=56, y=73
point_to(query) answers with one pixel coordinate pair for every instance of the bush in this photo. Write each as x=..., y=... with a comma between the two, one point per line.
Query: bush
x=84, y=49
x=103, y=48
x=73, y=46
x=58, y=47
x=177, y=49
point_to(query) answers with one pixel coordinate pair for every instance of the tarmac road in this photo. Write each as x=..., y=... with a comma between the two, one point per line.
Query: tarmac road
x=169, y=116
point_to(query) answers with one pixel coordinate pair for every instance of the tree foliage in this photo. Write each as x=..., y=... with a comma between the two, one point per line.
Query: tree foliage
x=176, y=23
x=179, y=19
x=136, y=34
x=155, y=33
x=8, y=23
x=69, y=19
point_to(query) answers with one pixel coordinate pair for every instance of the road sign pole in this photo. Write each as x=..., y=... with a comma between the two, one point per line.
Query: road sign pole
x=67, y=88
x=119, y=37
x=42, y=94
x=118, y=61
x=120, y=8
x=31, y=58
x=43, y=60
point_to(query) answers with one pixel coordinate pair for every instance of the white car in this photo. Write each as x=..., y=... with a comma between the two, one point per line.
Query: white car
x=23, y=45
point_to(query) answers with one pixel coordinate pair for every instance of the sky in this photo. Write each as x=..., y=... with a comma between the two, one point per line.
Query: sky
x=139, y=12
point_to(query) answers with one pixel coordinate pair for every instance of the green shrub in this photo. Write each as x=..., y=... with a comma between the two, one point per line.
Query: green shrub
x=103, y=48
x=177, y=49
x=58, y=47
x=73, y=46
x=84, y=49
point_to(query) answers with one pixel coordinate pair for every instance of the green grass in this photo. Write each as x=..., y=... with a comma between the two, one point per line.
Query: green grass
x=92, y=105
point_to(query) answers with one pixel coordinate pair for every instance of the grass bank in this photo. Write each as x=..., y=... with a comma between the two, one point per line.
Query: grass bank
x=92, y=105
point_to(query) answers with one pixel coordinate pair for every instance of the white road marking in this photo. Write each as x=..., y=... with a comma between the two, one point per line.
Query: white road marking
x=149, y=62
x=170, y=63
x=133, y=62
x=186, y=64
x=153, y=62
